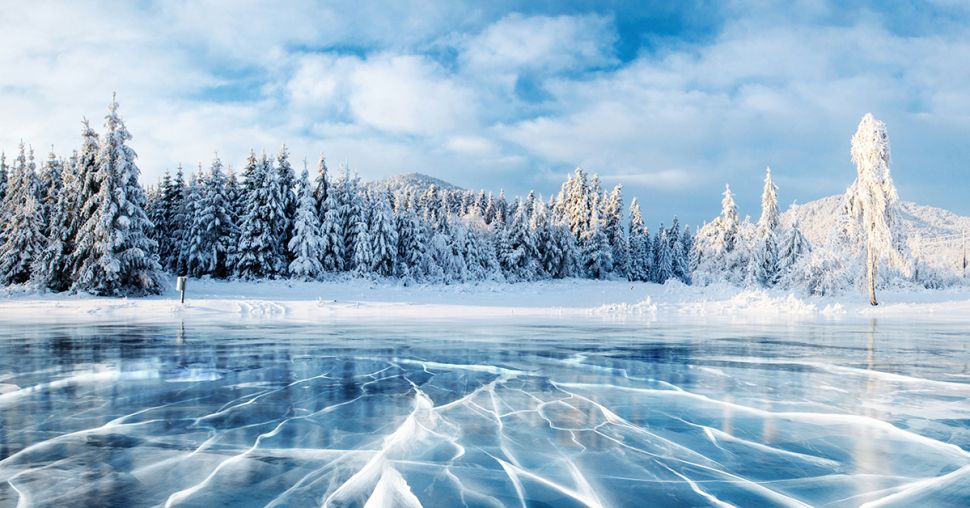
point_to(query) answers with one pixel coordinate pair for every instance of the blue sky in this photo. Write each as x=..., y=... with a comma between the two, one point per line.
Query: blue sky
x=672, y=99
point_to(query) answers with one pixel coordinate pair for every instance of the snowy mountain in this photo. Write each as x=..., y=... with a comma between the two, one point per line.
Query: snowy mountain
x=417, y=181
x=941, y=233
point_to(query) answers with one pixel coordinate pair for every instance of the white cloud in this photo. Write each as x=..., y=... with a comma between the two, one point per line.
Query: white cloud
x=410, y=95
x=540, y=43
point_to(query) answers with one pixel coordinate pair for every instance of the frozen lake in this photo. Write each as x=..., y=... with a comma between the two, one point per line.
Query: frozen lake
x=573, y=413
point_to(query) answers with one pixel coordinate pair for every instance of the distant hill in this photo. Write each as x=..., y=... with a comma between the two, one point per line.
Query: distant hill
x=942, y=232
x=416, y=180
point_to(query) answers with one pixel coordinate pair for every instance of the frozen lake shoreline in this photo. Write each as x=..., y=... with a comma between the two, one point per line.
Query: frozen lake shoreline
x=352, y=299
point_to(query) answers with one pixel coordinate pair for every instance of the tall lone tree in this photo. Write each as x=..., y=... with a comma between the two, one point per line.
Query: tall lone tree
x=872, y=200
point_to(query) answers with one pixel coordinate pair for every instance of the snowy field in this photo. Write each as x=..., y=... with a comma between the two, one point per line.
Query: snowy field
x=351, y=299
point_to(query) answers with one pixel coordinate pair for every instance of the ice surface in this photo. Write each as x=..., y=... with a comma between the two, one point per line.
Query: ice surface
x=510, y=413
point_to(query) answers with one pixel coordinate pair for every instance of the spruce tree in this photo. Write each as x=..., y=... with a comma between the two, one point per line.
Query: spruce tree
x=123, y=260
x=641, y=253
x=332, y=236
x=383, y=236
x=304, y=246
x=85, y=202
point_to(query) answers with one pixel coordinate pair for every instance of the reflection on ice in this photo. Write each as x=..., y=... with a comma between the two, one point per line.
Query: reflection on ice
x=507, y=415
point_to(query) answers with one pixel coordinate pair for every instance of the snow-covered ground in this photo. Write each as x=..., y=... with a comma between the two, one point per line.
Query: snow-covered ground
x=362, y=299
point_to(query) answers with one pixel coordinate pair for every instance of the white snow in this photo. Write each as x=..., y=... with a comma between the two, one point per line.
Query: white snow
x=355, y=299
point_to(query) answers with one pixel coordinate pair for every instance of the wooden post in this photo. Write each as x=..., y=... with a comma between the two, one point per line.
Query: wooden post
x=180, y=283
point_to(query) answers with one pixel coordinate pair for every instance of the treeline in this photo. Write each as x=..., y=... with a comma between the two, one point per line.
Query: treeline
x=84, y=223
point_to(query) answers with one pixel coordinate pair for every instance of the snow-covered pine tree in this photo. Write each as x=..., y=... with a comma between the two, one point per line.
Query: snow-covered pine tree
x=596, y=250
x=383, y=236
x=687, y=241
x=641, y=253
x=332, y=235
x=123, y=260
x=521, y=259
x=321, y=187
x=214, y=223
x=363, y=255
x=304, y=246
x=794, y=247
x=85, y=202
x=50, y=188
x=286, y=177
x=715, y=256
x=411, y=247
x=490, y=209
x=3, y=176
x=51, y=269
x=258, y=237
x=679, y=261
x=873, y=202
x=764, y=253
x=23, y=240
x=612, y=216
x=194, y=262
x=663, y=269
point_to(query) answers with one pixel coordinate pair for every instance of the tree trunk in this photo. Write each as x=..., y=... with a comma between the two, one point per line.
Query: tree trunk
x=871, y=269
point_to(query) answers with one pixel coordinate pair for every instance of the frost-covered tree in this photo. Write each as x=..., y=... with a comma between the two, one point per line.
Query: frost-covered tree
x=122, y=258
x=23, y=238
x=193, y=261
x=332, y=235
x=286, y=178
x=641, y=251
x=612, y=216
x=596, y=250
x=305, y=244
x=520, y=259
x=85, y=201
x=213, y=223
x=764, y=263
x=718, y=253
x=664, y=262
x=321, y=187
x=872, y=201
x=411, y=247
x=363, y=254
x=170, y=228
x=383, y=236
x=679, y=261
x=52, y=269
x=261, y=228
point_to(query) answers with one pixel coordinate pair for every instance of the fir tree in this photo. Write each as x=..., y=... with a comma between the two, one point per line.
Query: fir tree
x=383, y=236
x=641, y=253
x=214, y=223
x=664, y=263
x=122, y=260
x=332, y=236
x=597, y=252
x=305, y=245
x=320, y=190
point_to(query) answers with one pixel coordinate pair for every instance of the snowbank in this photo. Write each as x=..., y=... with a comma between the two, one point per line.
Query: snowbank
x=352, y=299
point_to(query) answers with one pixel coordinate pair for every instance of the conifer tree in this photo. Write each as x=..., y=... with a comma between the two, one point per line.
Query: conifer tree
x=305, y=245
x=320, y=190
x=214, y=223
x=383, y=236
x=122, y=260
x=597, y=252
x=641, y=253
x=332, y=236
